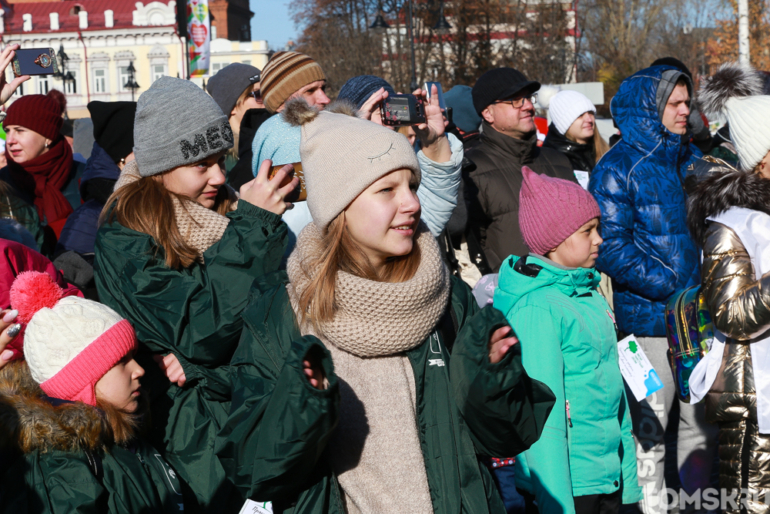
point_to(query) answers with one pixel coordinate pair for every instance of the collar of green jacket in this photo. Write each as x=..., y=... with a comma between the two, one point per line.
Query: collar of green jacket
x=513, y=285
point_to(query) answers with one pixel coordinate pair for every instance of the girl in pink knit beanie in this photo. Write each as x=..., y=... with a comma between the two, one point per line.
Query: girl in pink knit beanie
x=586, y=460
x=71, y=411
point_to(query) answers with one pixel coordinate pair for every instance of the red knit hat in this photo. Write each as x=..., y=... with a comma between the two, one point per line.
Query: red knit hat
x=70, y=343
x=40, y=113
x=551, y=210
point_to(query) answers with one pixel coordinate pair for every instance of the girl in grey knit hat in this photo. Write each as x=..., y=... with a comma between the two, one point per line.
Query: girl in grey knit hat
x=175, y=255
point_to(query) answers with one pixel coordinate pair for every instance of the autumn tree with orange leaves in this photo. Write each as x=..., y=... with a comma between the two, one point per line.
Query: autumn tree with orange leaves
x=723, y=46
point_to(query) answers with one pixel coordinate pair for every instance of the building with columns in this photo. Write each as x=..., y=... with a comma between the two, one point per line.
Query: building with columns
x=102, y=39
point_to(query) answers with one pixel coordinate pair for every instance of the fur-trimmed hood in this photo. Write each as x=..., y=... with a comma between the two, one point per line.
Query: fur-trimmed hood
x=725, y=187
x=29, y=422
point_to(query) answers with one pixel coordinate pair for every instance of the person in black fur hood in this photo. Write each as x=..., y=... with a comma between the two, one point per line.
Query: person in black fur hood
x=729, y=216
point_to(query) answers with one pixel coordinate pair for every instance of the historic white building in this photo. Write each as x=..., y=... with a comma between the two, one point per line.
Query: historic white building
x=102, y=38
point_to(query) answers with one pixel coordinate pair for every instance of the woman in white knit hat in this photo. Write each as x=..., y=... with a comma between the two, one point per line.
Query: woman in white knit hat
x=342, y=398
x=729, y=215
x=573, y=131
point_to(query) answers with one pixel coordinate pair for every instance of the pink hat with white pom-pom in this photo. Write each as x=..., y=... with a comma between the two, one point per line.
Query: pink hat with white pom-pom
x=69, y=343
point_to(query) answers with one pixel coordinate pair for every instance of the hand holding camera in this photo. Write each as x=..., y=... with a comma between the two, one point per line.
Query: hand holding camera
x=435, y=145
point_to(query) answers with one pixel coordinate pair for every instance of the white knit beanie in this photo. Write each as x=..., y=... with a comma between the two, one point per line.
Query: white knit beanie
x=749, y=121
x=342, y=155
x=71, y=342
x=567, y=106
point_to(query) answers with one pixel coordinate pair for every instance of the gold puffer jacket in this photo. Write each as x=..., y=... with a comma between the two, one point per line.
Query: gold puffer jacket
x=740, y=309
x=739, y=301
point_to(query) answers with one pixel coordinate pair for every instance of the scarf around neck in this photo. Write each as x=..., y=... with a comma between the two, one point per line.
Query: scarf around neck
x=44, y=177
x=376, y=318
x=375, y=449
x=200, y=227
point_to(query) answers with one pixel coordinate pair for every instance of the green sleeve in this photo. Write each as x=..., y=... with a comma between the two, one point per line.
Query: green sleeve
x=278, y=424
x=548, y=459
x=193, y=313
x=504, y=408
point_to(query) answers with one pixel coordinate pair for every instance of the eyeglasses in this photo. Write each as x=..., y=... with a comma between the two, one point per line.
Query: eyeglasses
x=517, y=103
x=256, y=95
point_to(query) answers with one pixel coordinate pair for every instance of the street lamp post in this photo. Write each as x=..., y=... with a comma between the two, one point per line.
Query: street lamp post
x=131, y=84
x=442, y=26
x=63, y=74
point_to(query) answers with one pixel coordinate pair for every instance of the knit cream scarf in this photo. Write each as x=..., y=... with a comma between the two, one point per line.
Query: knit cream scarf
x=200, y=227
x=376, y=449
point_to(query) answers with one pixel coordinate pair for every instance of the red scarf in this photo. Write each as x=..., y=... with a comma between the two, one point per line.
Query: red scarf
x=45, y=176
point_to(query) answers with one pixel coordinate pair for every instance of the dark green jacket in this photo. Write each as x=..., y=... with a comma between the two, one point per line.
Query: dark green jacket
x=193, y=313
x=45, y=449
x=273, y=444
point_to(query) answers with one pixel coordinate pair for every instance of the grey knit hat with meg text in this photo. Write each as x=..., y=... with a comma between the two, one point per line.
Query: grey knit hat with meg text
x=177, y=124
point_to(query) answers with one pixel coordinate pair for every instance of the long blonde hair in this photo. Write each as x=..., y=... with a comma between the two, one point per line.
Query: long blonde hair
x=145, y=205
x=341, y=253
x=601, y=146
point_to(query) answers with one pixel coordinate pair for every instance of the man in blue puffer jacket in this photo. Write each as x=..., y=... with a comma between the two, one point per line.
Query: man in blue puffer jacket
x=648, y=252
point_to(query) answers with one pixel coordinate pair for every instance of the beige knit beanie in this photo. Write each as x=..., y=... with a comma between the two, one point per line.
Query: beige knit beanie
x=342, y=155
x=286, y=73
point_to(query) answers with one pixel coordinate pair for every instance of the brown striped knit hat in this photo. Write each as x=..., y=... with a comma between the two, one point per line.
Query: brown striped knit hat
x=284, y=74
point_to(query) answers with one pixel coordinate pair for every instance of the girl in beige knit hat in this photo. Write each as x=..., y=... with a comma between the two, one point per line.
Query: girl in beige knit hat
x=342, y=397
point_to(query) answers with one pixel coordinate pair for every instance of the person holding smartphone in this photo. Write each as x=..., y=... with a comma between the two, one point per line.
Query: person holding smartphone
x=176, y=254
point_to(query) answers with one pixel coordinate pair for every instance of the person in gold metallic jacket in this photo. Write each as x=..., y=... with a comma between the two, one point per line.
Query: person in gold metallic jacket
x=729, y=215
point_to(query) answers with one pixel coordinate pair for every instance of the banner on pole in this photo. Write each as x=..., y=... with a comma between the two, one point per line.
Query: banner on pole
x=199, y=36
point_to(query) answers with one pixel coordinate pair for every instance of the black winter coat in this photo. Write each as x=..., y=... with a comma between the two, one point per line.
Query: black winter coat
x=582, y=157
x=493, y=180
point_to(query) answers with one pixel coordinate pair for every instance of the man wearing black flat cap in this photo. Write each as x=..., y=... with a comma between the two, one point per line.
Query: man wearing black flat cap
x=504, y=98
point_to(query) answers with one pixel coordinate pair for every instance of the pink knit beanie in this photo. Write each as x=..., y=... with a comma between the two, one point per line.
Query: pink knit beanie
x=69, y=343
x=551, y=210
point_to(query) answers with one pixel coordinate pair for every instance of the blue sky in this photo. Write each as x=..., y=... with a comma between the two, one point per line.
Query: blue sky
x=271, y=21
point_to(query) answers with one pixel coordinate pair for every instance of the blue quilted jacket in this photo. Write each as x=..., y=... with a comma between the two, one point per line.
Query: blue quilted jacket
x=647, y=247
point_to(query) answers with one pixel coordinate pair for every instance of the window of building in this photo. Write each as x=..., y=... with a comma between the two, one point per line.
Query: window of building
x=158, y=71
x=43, y=85
x=100, y=80
x=71, y=86
x=123, y=78
x=247, y=62
x=216, y=66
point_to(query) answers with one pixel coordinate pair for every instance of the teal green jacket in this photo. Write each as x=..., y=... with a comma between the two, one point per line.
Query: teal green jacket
x=195, y=314
x=273, y=444
x=568, y=341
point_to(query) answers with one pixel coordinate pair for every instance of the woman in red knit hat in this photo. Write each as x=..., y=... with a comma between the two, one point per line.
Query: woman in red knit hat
x=40, y=168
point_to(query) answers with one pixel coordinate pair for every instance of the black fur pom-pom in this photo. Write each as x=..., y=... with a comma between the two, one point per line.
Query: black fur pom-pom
x=732, y=80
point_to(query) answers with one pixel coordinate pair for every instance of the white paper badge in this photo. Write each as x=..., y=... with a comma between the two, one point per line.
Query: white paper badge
x=252, y=507
x=636, y=369
x=582, y=178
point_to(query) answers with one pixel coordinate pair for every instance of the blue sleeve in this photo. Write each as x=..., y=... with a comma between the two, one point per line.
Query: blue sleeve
x=438, y=190
x=619, y=256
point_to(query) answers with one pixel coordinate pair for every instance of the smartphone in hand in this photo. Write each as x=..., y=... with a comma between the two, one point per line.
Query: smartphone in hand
x=35, y=61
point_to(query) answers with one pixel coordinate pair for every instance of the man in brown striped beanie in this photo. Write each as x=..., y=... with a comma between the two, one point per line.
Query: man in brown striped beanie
x=290, y=75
